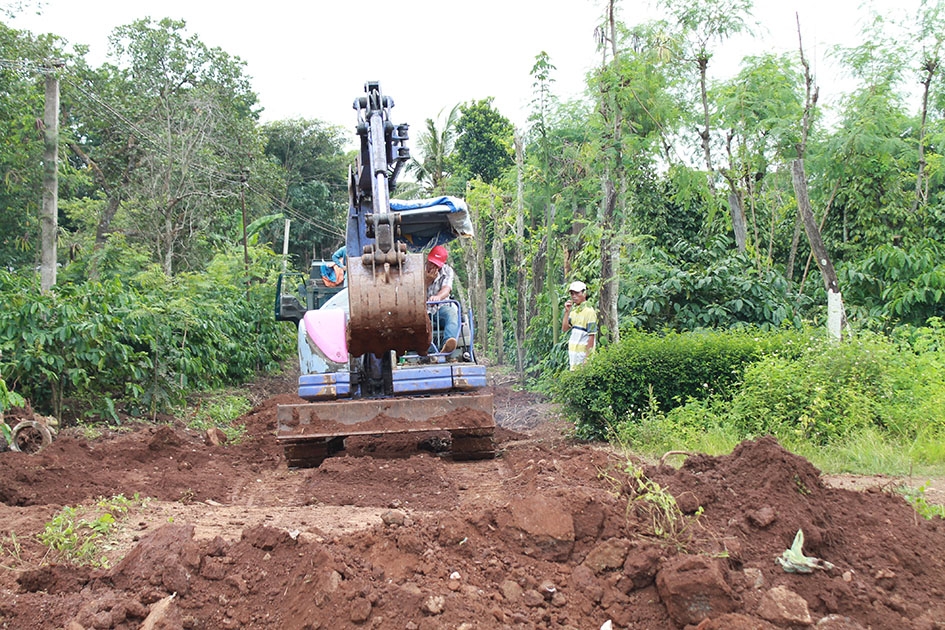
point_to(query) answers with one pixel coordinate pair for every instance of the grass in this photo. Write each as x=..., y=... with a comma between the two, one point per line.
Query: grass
x=219, y=411
x=10, y=546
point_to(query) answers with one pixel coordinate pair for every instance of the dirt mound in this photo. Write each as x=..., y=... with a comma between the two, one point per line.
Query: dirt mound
x=552, y=533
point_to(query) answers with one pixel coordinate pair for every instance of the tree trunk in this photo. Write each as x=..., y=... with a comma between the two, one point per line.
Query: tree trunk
x=739, y=226
x=498, y=282
x=552, y=286
x=608, y=281
x=473, y=258
x=521, y=277
x=704, y=135
x=818, y=250
x=792, y=254
x=49, y=216
x=931, y=65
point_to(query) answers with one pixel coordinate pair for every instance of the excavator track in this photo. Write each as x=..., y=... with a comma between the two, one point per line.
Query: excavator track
x=307, y=453
x=312, y=432
x=472, y=445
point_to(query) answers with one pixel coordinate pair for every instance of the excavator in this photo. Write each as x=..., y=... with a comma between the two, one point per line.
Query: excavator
x=368, y=351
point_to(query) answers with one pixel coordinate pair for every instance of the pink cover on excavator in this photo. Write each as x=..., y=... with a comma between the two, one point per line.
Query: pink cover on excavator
x=326, y=328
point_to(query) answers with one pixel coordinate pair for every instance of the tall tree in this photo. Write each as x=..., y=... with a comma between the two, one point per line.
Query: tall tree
x=799, y=179
x=484, y=141
x=180, y=119
x=518, y=256
x=702, y=25
x=872, y=153
x=930, y=24
x=612, y=178
x=435, y=145
x=541, y=107
x=313, y=193
x=759, y=109
x=24, y=58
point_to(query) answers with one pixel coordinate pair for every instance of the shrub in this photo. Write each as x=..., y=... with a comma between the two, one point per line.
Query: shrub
x=868, y=404
x=622, y=381
x=139, y=344
x=834, y=389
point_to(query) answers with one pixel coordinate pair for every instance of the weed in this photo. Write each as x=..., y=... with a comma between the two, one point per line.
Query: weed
x=220, y=412
x=10, y=546
x=801, y=486
x=916, y=497
x=75, y=536
x=667, y=521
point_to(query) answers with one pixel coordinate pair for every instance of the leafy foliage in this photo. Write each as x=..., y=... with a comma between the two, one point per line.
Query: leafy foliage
x=484, y=142
x=690, y=288
x=621, y=382
x=314, y=191
x=141, y=345
x=825, y=394
x=898, y=285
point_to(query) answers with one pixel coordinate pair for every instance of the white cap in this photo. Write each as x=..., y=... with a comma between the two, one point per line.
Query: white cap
x=578, y=286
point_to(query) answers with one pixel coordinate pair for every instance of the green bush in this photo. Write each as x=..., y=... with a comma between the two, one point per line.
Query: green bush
x=871, y=404
x=139, y=344
x=685, y=287
x=834, y=389
x=621, y=382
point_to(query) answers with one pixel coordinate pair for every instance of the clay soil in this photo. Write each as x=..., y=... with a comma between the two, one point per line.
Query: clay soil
x=551, y=533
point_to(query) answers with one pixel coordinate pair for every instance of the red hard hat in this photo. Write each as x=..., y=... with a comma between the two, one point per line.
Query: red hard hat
x=438, y=256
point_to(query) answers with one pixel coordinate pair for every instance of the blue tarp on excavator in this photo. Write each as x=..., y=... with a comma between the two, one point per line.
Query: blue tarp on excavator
x=434, y=221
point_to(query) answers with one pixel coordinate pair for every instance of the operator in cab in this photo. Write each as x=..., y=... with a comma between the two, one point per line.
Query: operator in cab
x=439, y=279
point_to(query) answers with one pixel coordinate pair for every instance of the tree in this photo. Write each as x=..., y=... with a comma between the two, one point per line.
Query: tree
x=799, y=179
x=759, y=109
x=931, y=31
x=700, y=24
x=310, y=157
x=872, y=155
x=484, y=141
x=169, y=132
x=542, y=103
x=21, y=106
x=612, y=178
x=436, y=145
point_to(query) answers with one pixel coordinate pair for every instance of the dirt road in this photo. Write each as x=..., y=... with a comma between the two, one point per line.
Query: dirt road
x=550, y=534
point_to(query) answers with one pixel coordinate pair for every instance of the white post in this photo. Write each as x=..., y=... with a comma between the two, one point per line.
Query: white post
x=285, y=246
x=834, y=314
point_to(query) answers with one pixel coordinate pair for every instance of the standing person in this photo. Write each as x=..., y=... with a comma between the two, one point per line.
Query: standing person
x=581, y=319
x=439, y=279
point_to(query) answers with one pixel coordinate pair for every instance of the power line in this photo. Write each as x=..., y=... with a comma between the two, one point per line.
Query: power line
x=156, y=144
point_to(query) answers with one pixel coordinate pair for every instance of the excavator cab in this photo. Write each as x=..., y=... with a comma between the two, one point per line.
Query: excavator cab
x=366, y=365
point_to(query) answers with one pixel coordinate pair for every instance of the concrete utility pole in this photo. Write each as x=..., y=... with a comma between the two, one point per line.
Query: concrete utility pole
x=49, y=214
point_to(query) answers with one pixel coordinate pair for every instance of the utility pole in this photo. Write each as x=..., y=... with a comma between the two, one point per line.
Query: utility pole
x=49, y=214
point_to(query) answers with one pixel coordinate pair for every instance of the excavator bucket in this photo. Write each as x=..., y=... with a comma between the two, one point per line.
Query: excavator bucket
x=388, y=306
x=311, y=432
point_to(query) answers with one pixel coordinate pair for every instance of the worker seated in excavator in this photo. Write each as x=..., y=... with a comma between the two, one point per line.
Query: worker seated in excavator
x=444, y=314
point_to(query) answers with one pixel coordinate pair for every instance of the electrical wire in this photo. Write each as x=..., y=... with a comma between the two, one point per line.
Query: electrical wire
x=155, y=144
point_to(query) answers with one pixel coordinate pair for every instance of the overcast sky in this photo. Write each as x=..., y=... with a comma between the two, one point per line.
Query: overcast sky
x=311, y=59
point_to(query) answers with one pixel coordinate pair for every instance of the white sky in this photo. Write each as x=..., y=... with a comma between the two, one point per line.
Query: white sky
x=311, y=59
